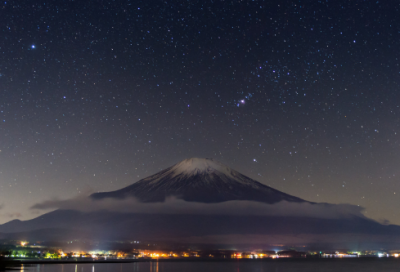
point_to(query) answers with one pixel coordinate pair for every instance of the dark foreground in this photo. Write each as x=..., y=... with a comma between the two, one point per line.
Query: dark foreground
x=266, y=265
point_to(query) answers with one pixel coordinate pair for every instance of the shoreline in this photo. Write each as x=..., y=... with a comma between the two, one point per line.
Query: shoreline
x=93, y=261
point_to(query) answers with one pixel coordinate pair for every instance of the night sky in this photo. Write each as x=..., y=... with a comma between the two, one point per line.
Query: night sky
x=302, y=96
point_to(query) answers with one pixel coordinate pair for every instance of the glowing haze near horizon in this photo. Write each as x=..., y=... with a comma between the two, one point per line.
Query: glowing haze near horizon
x=302, y=96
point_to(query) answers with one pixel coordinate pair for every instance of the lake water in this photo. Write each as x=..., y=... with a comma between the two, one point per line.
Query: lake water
x=355, y=265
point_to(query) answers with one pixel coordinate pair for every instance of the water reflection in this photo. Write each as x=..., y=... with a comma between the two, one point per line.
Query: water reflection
x=367, y=265
x=154, y=266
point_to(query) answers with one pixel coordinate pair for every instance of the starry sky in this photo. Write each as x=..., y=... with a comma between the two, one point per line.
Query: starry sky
x=300, y=95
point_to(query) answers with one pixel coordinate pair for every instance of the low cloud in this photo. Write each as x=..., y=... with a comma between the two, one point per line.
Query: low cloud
x=384, y=221
x=178, y=206
x=1, y=206
x=13, y=215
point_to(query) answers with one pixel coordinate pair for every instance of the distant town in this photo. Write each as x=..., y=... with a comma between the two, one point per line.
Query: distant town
x=23, y=250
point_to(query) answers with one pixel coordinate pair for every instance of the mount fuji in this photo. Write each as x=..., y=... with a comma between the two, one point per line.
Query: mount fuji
x=201, y=186
x=199, y=180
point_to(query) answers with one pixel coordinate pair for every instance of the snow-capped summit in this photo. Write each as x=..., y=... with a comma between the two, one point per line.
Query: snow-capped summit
x=199, y=180
x=195, y=166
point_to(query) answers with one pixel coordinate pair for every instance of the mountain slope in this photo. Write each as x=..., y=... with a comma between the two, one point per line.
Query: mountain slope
x=110, y=226
x=199, y=180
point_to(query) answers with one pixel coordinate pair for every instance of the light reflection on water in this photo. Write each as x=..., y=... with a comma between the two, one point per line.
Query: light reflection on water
x=371, y=265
